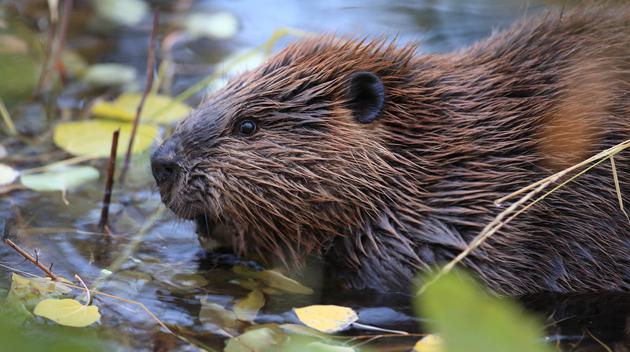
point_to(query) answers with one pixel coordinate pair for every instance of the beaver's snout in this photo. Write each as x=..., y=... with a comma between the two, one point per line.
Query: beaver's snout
x=165, y=163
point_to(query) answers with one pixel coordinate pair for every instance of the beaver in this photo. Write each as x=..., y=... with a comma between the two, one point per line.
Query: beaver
x=386, y=163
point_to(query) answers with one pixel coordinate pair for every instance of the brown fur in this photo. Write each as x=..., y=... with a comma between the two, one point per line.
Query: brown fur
x=386, y=200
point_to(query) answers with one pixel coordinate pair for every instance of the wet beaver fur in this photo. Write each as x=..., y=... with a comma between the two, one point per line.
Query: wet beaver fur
x=386, y=163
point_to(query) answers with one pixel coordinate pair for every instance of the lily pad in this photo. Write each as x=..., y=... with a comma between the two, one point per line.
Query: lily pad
x=109, y=74
x=67, y=312
x=93, y=137
x=7, y=174
x=157, y=108
x=60, y=178
x=247, y=308
x=326, y=318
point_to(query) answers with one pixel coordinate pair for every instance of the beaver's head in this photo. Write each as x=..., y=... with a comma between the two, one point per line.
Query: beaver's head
x=291, y=155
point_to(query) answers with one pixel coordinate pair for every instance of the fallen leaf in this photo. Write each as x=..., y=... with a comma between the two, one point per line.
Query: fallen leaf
x=94, y=137
x=217, y=315
x=67, y=312
x=247, y=308
x=429, y=343
x=326, y=318
x=7, y=174
x=157, y=108
x=60, y=178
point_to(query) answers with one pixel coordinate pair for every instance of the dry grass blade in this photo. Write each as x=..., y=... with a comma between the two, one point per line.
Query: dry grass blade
x=511, y=212
x=618, y=186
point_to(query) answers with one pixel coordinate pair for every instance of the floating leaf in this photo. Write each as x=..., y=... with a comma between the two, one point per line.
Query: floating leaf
x=217, y=315
x=220, y=25
x=248, y=307
x=157, y=108
x=258, y=339
x=274, y=280
x=326, y=318
x=188, y=281
x=60, y=178
x=29, y=291
x=93, y=137
x=429, y=343
x=318, y=346
x=7, y=174
x=126, y=12
x=468, y=319
x=68, y=312
x=109, y=74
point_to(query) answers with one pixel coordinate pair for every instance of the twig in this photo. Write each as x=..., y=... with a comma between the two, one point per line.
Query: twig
x=30, y=258
x=65, y=19
x=107, y=197
x=88, y=299
x=147, y=89
x=49, y=45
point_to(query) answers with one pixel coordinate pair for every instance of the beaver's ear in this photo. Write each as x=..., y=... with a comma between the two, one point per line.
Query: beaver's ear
x=366, y=95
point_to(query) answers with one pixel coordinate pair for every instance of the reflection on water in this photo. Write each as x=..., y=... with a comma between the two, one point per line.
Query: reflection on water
x=169, y=250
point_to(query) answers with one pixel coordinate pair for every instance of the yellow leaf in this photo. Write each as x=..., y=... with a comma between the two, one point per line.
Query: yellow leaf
x=94, y=137
x=247, y=308
x=157, y=108
x=429, y=343
x=326, y=318
x=68, y=312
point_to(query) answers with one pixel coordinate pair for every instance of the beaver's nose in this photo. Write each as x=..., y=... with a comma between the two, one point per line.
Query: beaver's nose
x=164, y=162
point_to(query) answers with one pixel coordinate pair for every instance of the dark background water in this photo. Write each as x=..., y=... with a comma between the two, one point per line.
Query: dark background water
x=155, y=273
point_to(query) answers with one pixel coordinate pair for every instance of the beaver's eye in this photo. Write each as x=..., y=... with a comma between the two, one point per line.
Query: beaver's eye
x=247, y=127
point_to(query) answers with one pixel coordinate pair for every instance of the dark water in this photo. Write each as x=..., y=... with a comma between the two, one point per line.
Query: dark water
x=157, y=272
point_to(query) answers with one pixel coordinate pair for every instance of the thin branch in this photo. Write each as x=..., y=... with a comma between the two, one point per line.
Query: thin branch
x=30, y=258
x=107, y=197
x=147, y=89
x=88, y=299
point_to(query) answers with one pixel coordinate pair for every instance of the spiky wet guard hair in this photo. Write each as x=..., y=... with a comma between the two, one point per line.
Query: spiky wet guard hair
x=409, y=190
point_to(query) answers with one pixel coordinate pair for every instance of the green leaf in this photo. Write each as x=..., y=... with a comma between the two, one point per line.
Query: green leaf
x=220, y=25
x=126, y=12
x=7, y=174
x=109, y=75
x=67, y=312
x=157, y=108
x=94, y=137
x=468, y=319
x=247, y=308
x=19, y=76
x=60, y=178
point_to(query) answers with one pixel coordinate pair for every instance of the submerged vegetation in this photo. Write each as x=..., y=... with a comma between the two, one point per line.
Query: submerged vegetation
x=61, y=99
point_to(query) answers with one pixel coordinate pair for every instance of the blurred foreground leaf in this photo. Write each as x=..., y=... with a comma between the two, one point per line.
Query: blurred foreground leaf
x=259, y=339
x=468, y=319
x=157, y=108
x=93, y=137
x=67, y=312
